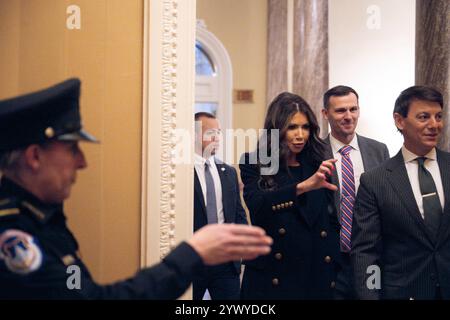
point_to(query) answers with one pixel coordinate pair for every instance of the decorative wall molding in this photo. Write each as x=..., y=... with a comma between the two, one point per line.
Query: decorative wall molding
x=168, y=124
x=168, y=97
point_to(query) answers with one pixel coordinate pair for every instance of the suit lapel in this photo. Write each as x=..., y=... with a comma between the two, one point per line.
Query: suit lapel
x=314, y=201
x=365, y=152
x=444, y=165
x=198, y=193
x=334, y=178
x=329, y=155
x=400, y=182
x=223, y=174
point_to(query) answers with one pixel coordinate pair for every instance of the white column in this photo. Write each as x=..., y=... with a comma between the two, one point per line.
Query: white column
x=168, y=99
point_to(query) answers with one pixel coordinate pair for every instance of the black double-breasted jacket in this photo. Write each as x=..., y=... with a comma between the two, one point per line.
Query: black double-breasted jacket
x=39, y=260
x=305, y=251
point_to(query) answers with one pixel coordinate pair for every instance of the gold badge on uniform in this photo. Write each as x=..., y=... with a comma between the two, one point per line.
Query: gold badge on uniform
x=49, y=132
x=7, y=212
x=68, y=260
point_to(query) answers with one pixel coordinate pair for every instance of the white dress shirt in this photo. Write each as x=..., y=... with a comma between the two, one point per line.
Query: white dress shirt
x=412, y=167
x=199, y=164
x=355, y=156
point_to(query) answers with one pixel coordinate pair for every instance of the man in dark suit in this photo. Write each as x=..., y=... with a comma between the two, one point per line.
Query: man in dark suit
x=355, y=154
x=216, y=200
x=401, y=226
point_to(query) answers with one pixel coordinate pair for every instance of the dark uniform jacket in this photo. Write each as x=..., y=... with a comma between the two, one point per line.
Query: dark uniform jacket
x=38, y=258
x=304, y=257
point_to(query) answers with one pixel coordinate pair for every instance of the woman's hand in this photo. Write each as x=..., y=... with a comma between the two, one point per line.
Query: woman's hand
x=319, y=179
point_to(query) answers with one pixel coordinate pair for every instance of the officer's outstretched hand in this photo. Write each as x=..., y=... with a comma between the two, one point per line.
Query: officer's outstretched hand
x=219, y=243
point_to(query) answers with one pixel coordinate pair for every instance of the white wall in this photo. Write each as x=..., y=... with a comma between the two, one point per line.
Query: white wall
x=372, y=50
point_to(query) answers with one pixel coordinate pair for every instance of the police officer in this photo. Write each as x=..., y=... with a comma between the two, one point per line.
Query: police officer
x=39, y=159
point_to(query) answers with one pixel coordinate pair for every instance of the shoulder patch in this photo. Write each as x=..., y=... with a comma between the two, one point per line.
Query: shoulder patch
x=20, y=252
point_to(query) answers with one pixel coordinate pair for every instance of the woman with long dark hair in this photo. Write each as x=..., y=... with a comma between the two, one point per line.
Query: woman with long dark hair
x=291, y=198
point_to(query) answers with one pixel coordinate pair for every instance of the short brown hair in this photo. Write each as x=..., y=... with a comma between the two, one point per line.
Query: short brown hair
x=414, y=93
x=338, y=91
x=198, y=115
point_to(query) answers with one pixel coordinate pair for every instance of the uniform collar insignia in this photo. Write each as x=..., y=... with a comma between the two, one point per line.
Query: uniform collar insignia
x=8, y=212
x=4, y=202
x=68, y=260
x=35, y=211
x=25, y=199
x=8, y=207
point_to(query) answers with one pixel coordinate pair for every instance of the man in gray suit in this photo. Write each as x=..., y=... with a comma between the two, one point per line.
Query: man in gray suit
x=401, y=226
x=355, y=154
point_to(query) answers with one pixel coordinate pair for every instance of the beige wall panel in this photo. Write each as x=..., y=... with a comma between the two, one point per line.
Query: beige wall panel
x=122, y=134
x=41, y=52
x=106, y=53
x=9, y=47
x=84, y=55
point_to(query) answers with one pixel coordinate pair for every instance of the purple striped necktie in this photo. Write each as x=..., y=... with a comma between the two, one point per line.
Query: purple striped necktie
x=347, y=198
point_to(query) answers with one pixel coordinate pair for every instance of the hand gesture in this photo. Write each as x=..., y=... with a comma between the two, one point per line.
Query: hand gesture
x=319, y=179
x=219, y=243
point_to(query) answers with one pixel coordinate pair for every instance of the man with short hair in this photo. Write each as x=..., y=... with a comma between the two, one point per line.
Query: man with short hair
x=355, y=154
x=39, y=159
x=401, y=225
x=216, y=200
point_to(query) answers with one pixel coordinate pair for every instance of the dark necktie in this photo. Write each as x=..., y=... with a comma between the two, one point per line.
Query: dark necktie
x=432, y=210
x=347, y=198
x=211, y=208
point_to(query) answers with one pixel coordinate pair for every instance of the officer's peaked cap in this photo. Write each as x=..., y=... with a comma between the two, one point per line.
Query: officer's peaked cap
x=37, y=117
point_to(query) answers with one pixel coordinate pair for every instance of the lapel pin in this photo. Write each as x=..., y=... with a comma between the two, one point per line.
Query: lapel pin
x=223, y=169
